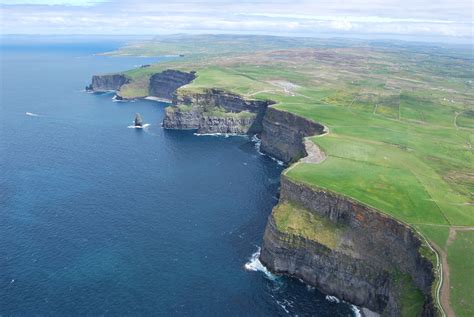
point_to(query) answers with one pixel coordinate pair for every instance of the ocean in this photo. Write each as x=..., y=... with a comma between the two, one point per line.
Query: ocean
x=97, y=218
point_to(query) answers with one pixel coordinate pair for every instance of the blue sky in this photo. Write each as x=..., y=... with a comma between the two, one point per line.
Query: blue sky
x=413, y=18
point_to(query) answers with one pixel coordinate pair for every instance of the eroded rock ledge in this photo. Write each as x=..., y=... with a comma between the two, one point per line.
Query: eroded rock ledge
x=216, y=111
x=109, y=82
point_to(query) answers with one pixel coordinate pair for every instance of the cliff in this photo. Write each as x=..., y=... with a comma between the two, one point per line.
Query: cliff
x=355, y=252
x=373, y=262
x=283, y=133
x=102, y=83
x=164, y=85
x=215, y=111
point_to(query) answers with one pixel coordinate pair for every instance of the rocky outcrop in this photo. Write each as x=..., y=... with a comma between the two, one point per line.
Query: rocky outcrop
x=138, y=122
x=366, y=266
x=283, y=133
x=164, y=85
x=216, y=111
x=111, y=82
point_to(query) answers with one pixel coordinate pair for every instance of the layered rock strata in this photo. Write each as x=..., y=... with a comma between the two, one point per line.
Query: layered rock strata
x=164, y=85
x=283, y=133
x=111, y=82
x=161, y=85
x=366, y=265
x=216, y=111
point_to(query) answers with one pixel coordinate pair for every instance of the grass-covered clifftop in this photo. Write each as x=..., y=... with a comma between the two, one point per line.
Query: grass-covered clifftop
x=401, y=127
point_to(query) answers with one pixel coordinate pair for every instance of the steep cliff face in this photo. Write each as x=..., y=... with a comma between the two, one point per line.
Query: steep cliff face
x=215, y=111
x=181, y=119
x=367, y=261
x=283, y=133
x=102, y=83
x=164, y=85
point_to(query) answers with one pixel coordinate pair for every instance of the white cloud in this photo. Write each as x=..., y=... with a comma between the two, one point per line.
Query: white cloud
x=405, y=17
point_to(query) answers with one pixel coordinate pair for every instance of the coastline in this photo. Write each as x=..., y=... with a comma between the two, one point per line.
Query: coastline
x=275, y=147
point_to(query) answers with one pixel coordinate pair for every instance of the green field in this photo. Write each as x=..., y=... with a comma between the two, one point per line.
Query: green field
x=400, y=119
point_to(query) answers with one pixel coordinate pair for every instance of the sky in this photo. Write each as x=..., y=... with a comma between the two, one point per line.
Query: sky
x=411, y=18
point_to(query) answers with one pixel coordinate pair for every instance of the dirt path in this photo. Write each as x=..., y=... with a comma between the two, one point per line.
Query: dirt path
x=456, y=120
x=452, y=233
x=315, y=155
x=446, y=286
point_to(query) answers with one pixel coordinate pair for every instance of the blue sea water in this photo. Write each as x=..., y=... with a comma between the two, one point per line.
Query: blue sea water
x=100, y=219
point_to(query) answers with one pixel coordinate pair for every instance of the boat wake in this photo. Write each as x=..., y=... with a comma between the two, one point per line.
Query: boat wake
x=146, y=125
x=31, y=114
x=254, y=264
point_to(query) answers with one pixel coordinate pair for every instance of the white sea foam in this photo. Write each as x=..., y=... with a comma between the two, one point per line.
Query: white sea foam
x=282, y=305
x=158, y=99
x=226, y=135
x=31, y=114
x=356, y=311
x=332, y=299
x=258, y=144
x=146, y=125
x=114, y=99
x=354, y=308
x=254, y=264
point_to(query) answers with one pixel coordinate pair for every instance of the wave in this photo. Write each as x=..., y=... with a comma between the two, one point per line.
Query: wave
x=146, y=125
x=258, y=144
x=354, y=308
x=332, y=299
x=255, y=265
x=31, y=114
x=114, y=99
x=226, y=135
x=282, y=305
x=356, y=311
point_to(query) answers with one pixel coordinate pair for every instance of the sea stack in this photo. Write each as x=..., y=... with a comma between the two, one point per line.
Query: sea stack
x=138, y=120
